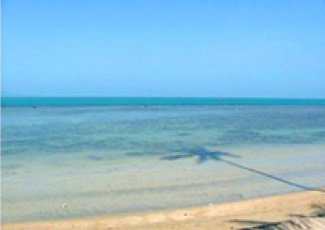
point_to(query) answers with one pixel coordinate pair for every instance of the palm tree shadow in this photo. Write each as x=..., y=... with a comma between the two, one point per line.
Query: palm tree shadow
x=318, y=212
x=203, y=155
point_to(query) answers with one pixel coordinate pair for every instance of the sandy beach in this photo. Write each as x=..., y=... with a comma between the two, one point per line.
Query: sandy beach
x=306, y=208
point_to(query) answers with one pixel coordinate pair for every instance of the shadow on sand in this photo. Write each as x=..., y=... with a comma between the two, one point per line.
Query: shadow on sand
x=204, y=155
x=306, y=221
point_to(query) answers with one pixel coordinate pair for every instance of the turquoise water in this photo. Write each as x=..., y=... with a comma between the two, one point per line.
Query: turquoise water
x=75, y=101
x=103, y=159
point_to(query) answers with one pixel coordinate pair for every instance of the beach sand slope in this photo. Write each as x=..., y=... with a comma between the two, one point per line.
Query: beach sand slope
x=288, y=211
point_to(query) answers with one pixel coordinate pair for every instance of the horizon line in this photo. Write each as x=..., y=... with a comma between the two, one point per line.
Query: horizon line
x=182, y=97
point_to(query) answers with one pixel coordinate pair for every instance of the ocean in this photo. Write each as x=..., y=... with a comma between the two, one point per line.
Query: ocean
x=70, y=157
x=146, y=101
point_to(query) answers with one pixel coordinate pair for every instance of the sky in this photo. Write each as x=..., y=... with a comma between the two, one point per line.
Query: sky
x=163, y=48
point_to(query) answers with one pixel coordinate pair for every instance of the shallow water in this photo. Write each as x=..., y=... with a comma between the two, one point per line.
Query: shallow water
x=113, y=159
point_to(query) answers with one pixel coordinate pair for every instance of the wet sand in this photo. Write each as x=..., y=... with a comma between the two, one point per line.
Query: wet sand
x=306, y=207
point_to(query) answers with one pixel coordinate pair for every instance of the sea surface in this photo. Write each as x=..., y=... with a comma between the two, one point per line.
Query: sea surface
x=71, y=157
x=146, y=101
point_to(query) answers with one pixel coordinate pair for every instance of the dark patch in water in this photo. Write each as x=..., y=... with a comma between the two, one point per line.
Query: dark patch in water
x=183, y=134
x=153, y=153
x=320, y=134
x=95, y=158
x=14, y=166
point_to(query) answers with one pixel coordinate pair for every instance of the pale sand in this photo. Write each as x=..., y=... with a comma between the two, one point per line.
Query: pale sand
x=288, y=209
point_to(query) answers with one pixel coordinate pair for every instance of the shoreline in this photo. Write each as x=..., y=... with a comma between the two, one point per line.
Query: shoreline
x=232, y=215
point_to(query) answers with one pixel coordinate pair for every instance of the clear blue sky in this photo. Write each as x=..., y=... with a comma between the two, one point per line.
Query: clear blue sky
x=270, y=48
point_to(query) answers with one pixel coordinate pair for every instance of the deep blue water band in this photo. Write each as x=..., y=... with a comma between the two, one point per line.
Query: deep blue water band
x=97, y=101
